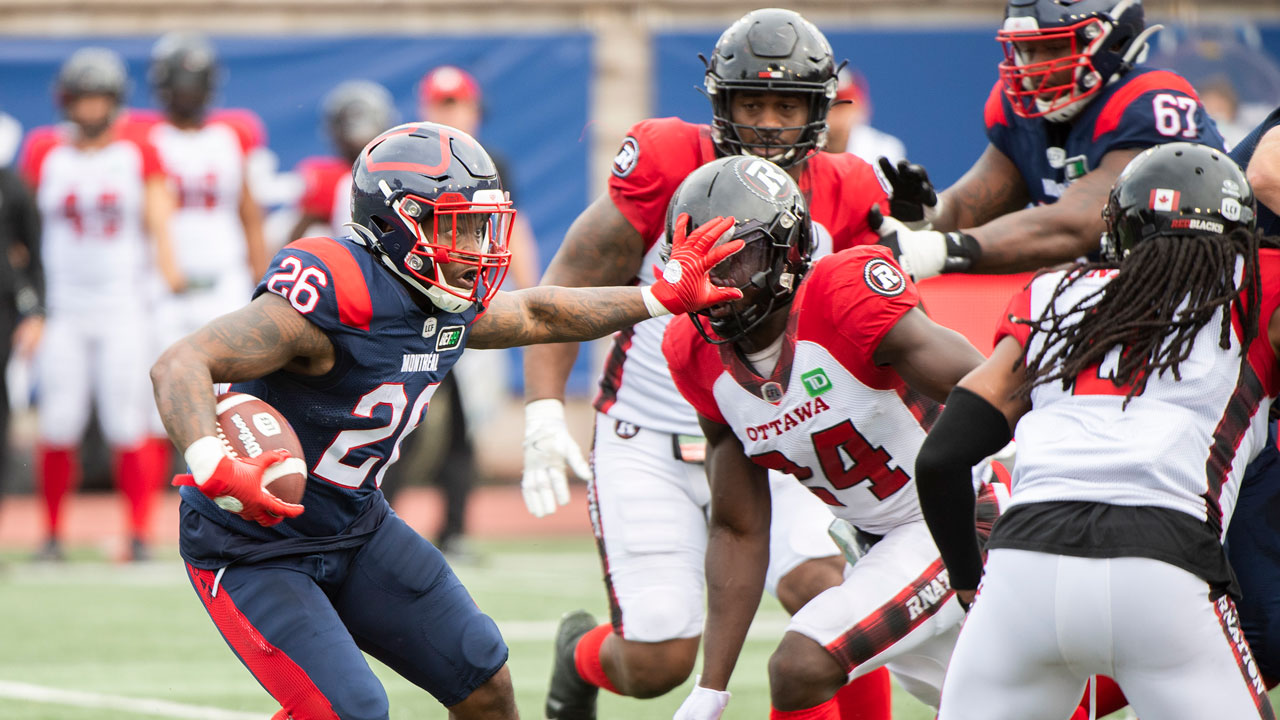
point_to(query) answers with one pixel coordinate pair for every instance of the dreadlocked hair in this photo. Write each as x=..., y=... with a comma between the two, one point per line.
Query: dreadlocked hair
x=1164, y=292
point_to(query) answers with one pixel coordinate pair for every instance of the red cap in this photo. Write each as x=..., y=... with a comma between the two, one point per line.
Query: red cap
x=448, y=83
x=851, y=85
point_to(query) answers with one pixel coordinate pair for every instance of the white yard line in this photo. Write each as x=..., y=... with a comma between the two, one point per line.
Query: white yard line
x=138, y=706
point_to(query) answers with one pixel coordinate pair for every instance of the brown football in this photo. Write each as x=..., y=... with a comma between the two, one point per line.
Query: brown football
x=248, y=427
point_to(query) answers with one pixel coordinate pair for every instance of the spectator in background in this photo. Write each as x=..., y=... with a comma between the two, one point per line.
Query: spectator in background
x=849, y=123
x=217, y=225
x=21, y=289
x=1219, y=98
x=445, y=451
x=355, y=112
x=103, y=199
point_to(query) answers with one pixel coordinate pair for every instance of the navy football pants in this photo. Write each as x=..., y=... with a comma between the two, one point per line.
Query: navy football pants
x=299, y=625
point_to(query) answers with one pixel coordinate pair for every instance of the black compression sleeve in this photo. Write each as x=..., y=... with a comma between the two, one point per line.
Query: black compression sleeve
x=968, y=430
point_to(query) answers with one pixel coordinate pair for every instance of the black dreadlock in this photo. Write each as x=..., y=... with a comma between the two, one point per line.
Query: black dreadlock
x=1142, y=310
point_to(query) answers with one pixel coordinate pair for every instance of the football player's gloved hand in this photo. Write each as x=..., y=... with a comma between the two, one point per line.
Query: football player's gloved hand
x=925, y=253
x=914, y=201
x=683, y=286
x=236, y=484
x=703, y=703
x=548, y=447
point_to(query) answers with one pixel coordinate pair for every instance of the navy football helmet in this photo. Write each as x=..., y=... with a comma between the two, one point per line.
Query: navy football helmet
x=1176, y=189
x=183, y=74
x=1060, y=53
x=355, y=112
x=771, y=50
x=424, y=195
x=773, y=222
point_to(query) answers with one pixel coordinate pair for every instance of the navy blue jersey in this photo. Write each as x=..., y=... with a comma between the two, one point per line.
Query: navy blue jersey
x=390, y=356
x=1145, y=107
x=1242, y=153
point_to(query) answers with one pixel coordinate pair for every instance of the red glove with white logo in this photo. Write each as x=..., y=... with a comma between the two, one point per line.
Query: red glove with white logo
x=235, y=484
x=683, y=286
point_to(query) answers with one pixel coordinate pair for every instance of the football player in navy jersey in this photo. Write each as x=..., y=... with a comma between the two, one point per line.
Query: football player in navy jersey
x=348, y=338
x=1071, y=108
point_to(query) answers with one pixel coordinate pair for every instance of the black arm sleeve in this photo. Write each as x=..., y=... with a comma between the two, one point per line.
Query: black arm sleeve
x=22, y=227
x=968, y=430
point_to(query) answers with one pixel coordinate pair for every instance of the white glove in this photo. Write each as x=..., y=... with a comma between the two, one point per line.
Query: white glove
x=548, y=446
x=703, y=703
x=926, y=253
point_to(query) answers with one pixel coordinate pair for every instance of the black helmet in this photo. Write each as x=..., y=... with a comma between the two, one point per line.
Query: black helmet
x=1176, y=189
x=183, y=74
x=771, y=50
x=356, y=111
x=411, y=188
x=1106, y=38
x=773, y=222
x=92, y=71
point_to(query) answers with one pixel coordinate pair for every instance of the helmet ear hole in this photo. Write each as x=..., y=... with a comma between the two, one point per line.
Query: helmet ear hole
x=383, y=226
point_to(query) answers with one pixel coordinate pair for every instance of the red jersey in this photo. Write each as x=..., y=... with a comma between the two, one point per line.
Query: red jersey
x=655, y=157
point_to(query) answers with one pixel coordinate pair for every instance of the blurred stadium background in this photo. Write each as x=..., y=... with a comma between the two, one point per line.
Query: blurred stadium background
x=562, y=80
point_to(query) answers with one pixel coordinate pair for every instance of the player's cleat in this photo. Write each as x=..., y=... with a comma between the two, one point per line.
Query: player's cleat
x=51, y=552
x=570, y=697
x=139, y=552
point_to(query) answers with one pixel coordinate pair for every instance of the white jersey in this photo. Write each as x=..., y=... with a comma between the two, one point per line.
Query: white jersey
x=827, y=415
x=207, y=168
x=1180, y=444
x=656, y=156
x=95, y=250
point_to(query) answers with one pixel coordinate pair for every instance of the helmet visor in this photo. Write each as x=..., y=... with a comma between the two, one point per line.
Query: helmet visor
x=1046, y=70
x=462, y=245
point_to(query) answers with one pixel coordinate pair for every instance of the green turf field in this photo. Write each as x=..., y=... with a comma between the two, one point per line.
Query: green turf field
x=98, y=640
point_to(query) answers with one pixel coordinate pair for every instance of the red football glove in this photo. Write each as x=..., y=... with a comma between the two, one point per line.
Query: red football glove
x=683, y=286
x=236, y=486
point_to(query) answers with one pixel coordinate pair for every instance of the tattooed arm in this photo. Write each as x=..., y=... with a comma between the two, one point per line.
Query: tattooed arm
x=264, y=336
x=600, y=249
x=556, y=315
x=1034, y=237
x=991, y=188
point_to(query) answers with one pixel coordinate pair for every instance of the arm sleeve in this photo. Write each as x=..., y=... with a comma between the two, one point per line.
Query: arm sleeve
x=655, y=157
x=995, y=116
x=860, y=190
x=1019, y=307
x=969, y=429
x=867, y=292
x=1151, y=109
x=324, y=282
x=24, y=229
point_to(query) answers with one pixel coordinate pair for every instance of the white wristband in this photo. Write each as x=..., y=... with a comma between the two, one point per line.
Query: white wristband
x=544, y=409
x=655, y=308
x=203, y=456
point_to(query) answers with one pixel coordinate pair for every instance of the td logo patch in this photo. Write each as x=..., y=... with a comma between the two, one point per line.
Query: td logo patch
x=628, y=155
x=816, y=382
x=450, y=338
x=882, y=277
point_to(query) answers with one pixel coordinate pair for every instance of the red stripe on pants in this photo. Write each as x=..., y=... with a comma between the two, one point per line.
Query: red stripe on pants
x=279, y=674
